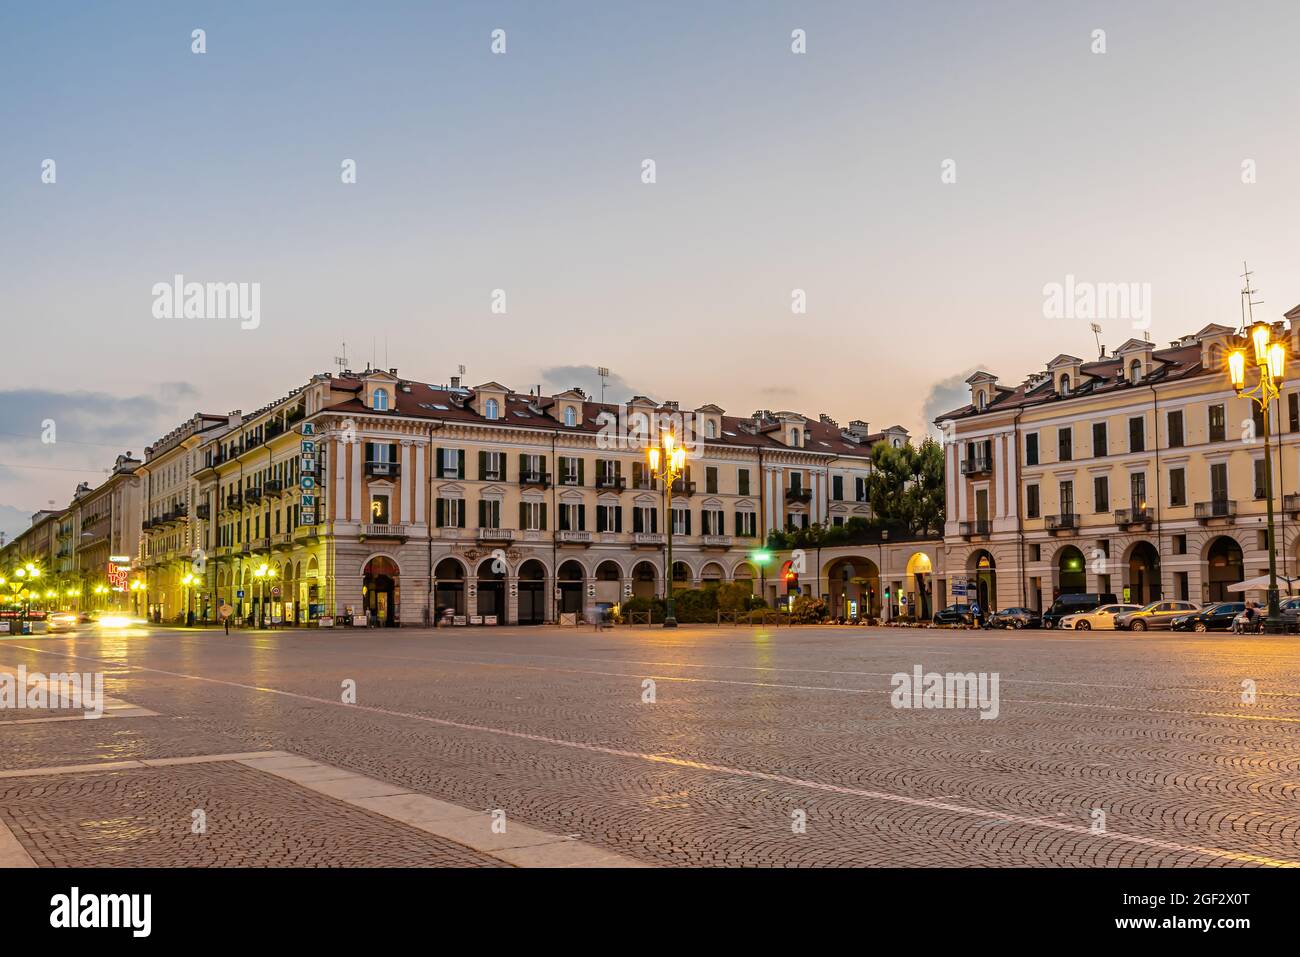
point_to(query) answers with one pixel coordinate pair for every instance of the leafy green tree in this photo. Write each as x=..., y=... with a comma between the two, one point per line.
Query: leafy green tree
x=906, y=486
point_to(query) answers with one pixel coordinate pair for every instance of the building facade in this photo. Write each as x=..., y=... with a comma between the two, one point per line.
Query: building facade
x=367, y=493
x=1141, y=473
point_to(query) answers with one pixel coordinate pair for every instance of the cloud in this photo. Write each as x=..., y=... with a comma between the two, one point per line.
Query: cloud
x=944, y=396
x=561, y=378
x=13, y=521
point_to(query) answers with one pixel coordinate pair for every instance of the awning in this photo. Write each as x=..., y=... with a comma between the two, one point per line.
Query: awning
x=1284, y=584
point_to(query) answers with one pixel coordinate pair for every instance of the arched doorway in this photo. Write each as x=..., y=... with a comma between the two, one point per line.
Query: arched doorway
x=919, y=586
x=711, y=575
x=982, y=572
x=381, y=590
x=1071, y=576
x=569, y=582
x=1142, y=574
x=532, y=592
x=491, y=586
x=1225, y=567
x=609, y=583
x=854, y=586
x=644, y=576
x=448, y=588
x=744, y=575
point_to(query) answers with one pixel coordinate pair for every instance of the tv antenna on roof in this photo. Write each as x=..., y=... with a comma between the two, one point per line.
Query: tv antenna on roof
x=342, y=360
x=1247, y=303
x=1096, y=330
x=603, y=372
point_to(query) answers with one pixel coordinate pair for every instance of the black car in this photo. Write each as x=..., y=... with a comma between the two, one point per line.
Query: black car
x=1217, y=617
x=955, y=615
x=1016, y=618
x=1076, y=604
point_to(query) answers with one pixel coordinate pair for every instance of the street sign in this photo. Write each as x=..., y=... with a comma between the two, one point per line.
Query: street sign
x=240, y=593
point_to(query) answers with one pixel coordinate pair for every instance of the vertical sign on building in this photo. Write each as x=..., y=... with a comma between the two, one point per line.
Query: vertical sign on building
x=307, y=474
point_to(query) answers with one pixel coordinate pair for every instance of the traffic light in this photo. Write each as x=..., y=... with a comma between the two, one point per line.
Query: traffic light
x=886, y=593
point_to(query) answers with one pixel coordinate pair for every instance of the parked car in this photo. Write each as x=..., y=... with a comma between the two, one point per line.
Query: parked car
x=1157, y=616
x=1290, y=608
x=1016, y=618
x=1076, y=604
x=955, y=615
x=1099, y=619
x=1216, y=616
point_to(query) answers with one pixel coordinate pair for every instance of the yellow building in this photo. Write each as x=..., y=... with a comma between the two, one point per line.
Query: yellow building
x=1140, y=473
x=368, y=492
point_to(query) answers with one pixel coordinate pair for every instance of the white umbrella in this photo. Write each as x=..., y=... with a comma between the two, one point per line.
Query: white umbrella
x=1261, y=584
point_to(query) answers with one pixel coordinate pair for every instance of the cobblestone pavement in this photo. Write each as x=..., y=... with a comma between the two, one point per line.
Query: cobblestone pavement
x=751, y=730
x=145, y=818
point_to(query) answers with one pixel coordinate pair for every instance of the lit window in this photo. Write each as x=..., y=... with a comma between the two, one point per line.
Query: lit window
x=380, y=403
x=492, y=409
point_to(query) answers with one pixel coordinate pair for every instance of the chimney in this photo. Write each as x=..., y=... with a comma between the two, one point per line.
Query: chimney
x=827, y=420
x=455, y=382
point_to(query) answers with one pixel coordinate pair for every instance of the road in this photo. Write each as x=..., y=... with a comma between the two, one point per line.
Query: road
x=749, y=747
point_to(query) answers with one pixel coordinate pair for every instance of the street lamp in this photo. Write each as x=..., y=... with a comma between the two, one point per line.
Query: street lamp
x=188, y=582
x=262, y=573
x=1270, y=360
x=672, y=458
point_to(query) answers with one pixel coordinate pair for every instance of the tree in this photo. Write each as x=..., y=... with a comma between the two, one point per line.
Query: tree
x=906, y=486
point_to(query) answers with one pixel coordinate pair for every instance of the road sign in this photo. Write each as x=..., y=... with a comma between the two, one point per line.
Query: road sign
x=240, y=593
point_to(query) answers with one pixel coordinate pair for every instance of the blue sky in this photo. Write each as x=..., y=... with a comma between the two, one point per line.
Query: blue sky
x=521, y=172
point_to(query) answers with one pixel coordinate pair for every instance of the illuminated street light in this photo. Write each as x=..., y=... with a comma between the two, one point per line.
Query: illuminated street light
x=672, y=457
x=1270, y=362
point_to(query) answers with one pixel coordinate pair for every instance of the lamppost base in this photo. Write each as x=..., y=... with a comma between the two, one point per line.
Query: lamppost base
x=670, y=622
x=1275, y=626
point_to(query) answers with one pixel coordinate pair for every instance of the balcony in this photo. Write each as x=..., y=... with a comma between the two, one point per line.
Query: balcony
x=1218, y=508
x=253, y=496
x=380, y=530
x=654, y=539
x=611, y=483
x=716, y=541
x=682, y=487
x=282, y=540
x=274, y=428
x=1134, y=516
x=306, y=533
x=1291, y=503
x=537, y=479
x=383, y=469
x=273, y=487
x=1062, y=523
x=981, y=526
x=496, y=535
x=234, y=500
x=979, y=465
x=297, y=415
x=568, y=537
x=203, y=511
x=262, y=544
x=798, y=496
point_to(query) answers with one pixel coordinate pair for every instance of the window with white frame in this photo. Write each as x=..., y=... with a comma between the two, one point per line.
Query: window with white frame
x=380, y=403
x=492, y=409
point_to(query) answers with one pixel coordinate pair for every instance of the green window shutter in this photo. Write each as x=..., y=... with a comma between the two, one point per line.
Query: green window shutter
x=542, y=527
x=618, y=471
x=688, y=521
x=440, y=512
x=582, y=518
x=542, y=460
x=600, y=519
x=600, y=471
x=482, y=466
x=618, y=518
x=437, y=453
x=460, y=463
x=636, y=474
x=523, y=515
x=482, y=511
x=581, y=472
x=460, y=514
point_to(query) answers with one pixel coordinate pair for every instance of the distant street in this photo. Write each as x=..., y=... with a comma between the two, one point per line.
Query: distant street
x=704, y=746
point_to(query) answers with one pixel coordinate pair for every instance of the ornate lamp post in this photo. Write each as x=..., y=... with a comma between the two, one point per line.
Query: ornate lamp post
x=262, y=572
x=1270, y=361
x=672, y=457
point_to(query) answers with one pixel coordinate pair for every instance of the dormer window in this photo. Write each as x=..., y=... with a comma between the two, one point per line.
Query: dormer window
x=982, y=402
x=710, y=429
x=1065, y=385
x=794, y=437
x=570, y=416
x=379, y=400
x=492, y=409
x=1135, y=371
